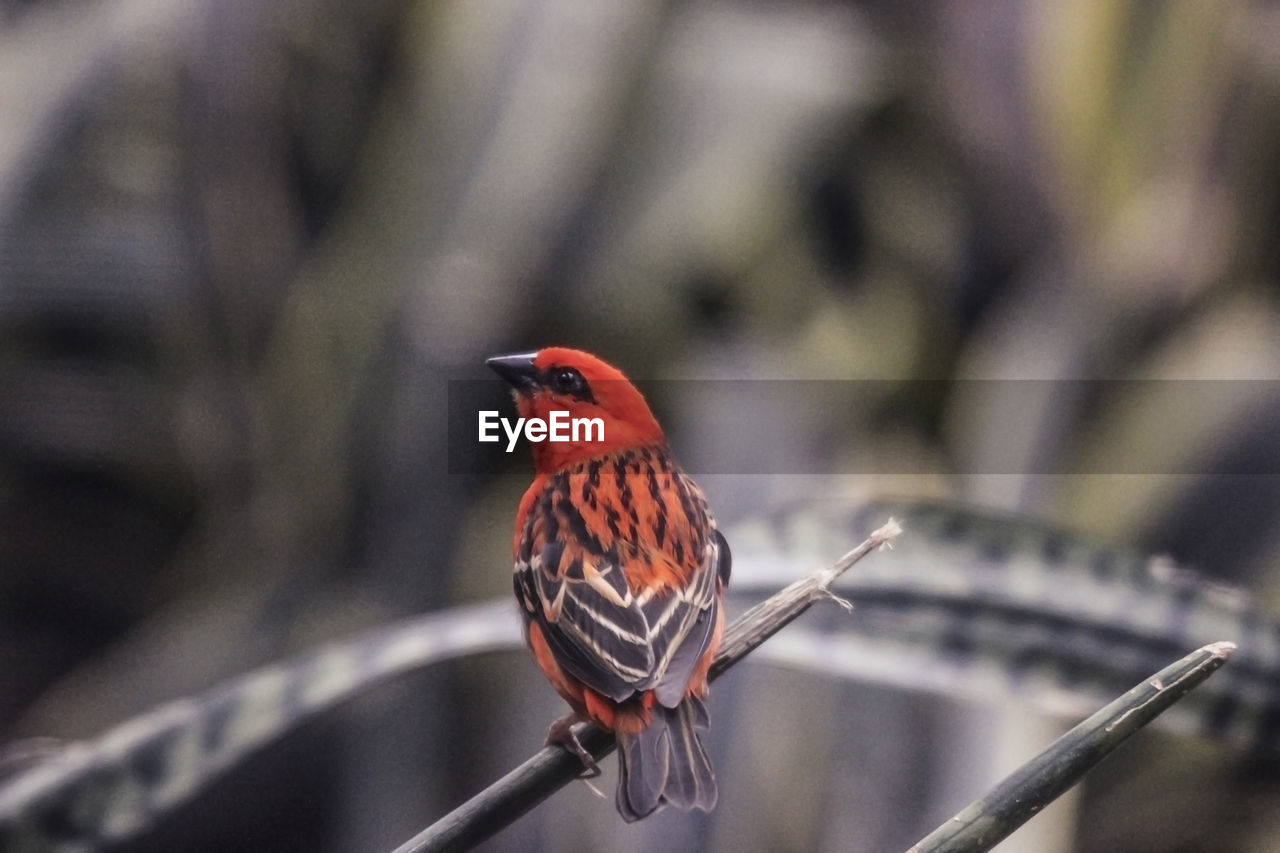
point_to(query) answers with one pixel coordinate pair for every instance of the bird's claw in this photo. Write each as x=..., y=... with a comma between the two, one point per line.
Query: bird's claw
x=561, y=734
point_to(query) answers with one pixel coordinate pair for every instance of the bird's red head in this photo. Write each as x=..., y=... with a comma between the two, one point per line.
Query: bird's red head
x=576, y=382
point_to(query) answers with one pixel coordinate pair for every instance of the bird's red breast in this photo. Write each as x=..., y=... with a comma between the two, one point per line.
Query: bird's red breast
x=620, y=573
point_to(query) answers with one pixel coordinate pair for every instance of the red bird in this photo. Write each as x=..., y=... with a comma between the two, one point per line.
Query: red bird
x=620, y=573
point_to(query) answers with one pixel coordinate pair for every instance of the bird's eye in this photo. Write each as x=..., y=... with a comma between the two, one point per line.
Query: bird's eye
x=566, y=380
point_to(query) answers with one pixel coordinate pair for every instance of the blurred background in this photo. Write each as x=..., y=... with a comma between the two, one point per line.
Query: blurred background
x=245, y=246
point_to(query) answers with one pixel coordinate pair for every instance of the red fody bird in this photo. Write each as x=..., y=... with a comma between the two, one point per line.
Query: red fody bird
x=620, y=573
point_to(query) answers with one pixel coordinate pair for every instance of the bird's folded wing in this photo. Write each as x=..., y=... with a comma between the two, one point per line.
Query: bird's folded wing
x=589, y=617
x=681, y=627
x=613, y=640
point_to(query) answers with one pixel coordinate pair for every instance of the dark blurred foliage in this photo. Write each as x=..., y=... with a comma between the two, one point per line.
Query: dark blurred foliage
x=245, y=245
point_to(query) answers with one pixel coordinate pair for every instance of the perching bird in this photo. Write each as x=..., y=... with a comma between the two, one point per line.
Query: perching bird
x=620, y=573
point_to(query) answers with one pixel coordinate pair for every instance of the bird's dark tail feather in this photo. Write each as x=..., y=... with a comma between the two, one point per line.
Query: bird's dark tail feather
x=666, y=763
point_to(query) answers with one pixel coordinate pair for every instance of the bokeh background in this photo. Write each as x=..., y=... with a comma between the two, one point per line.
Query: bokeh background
x=245, y=246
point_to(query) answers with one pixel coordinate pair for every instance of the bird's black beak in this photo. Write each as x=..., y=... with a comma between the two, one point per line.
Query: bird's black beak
x=517, y=369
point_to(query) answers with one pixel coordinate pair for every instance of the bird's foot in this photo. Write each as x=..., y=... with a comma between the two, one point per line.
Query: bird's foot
x=561, y=734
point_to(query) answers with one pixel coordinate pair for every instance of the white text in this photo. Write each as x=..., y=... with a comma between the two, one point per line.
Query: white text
x=557, y=427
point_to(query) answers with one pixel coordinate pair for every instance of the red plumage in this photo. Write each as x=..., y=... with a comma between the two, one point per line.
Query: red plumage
x=620, y=574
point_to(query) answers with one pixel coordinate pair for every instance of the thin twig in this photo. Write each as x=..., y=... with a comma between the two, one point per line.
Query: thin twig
x=552, y=768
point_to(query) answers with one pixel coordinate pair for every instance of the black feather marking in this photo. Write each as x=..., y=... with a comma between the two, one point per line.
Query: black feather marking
x=611, y=518
x=526, y=539
x=688, y=505
x=578, y=526
x=724, y=557
x=545, y=503
x=547, y=586
x=552, y=553
x=524, y=594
